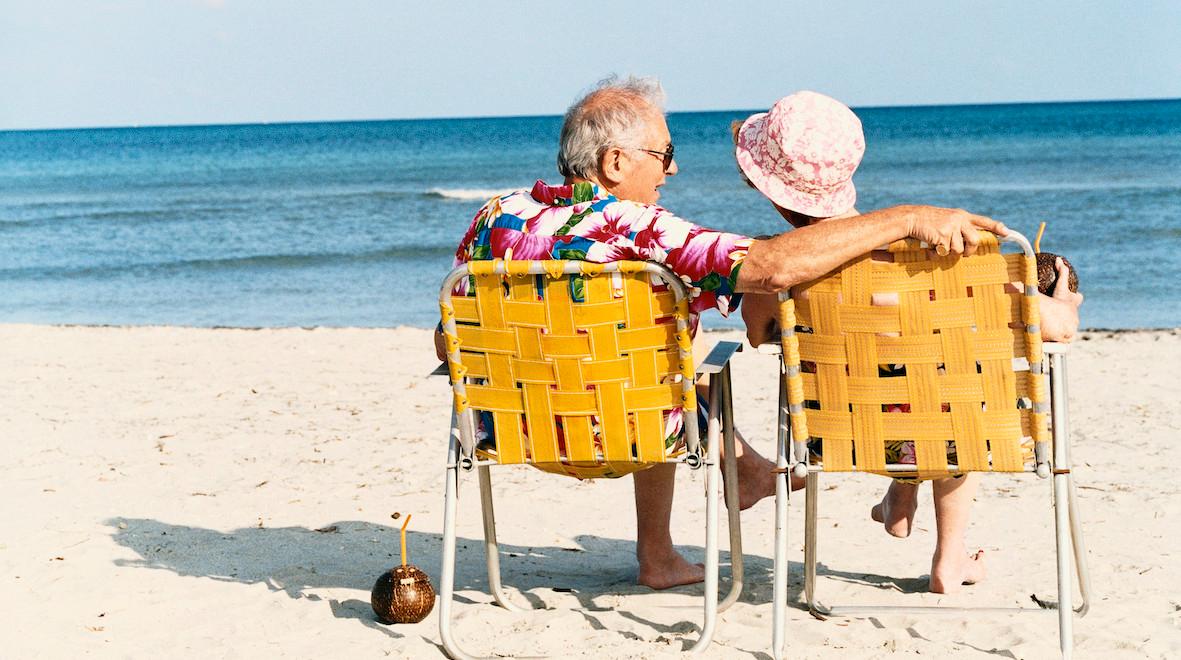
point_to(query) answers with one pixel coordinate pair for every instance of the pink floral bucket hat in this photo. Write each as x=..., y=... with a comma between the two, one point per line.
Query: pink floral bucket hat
x=802, y=153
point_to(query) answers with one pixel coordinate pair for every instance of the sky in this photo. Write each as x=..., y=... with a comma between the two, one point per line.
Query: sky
x=84, y=63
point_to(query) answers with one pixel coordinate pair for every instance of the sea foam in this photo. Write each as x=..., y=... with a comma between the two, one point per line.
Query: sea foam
x=466, y=194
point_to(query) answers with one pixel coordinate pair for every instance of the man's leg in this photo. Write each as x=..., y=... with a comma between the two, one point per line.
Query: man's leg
x=661, y=566
x=952, y=566
x=756, y=477
x=896, y=510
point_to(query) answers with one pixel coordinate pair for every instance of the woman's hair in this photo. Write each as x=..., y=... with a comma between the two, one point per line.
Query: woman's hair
x=614, y=113
x=735, y=127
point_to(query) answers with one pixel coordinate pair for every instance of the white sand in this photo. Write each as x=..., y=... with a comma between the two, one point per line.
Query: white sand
x=163, y=489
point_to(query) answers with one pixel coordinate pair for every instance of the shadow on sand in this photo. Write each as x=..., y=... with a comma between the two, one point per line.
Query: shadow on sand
x=352, y=554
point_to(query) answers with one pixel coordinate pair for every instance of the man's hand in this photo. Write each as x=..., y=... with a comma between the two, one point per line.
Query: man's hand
x=1060, y=310
x=951, y=230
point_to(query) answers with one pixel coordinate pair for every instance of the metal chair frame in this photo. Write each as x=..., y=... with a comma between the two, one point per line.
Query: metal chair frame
x=462, y=457
x=792, y=458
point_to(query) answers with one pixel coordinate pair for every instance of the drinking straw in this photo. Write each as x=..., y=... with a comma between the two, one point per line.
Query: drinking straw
x=404, y=538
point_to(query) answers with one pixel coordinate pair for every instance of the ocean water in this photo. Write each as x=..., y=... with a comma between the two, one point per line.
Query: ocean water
x=355, y=223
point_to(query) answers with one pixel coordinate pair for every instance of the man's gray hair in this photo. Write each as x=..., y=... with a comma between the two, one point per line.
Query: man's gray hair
x=614, y=113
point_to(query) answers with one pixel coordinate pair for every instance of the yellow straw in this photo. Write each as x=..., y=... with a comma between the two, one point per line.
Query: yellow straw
x=404, y=539
x=1037, y=242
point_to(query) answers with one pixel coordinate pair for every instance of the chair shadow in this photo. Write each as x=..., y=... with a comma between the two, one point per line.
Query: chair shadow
x=913, y=585
x=353, y=553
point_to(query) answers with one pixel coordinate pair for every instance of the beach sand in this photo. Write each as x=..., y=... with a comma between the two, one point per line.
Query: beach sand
x=228, y=493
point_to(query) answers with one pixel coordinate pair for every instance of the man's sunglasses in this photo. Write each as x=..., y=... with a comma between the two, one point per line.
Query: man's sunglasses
x=666, y=157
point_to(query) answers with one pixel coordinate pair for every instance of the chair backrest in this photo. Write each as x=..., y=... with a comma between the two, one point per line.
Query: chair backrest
x=922, y=348
x=575, y=363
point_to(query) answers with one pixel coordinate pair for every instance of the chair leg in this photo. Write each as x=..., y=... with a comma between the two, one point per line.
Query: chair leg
x=712, y=474
x=1065, y=586
x=1066, y=520
x=447, y=580
x=491, y=549
x=782, y=496
x=812, y=503
x=730, y=484
x=1080, y=551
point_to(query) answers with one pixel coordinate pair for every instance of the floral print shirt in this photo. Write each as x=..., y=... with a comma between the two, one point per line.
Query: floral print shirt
x=583, y=221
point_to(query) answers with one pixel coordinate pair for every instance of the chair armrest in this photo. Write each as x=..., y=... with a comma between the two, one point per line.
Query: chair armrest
x=718, y=357
x=440, y=370
x=1055, y=348
x=769, y=348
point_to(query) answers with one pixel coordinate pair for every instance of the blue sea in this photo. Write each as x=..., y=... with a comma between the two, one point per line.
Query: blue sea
x=355, y=223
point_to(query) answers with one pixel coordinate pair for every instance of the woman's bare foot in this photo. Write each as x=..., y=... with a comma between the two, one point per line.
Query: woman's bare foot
x=951, y=570
x=897, y=508
x=672, y=571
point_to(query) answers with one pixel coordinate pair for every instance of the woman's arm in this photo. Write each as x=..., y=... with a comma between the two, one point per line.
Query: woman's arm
x=1059, y=312
x=440, y=345
x=760, y=314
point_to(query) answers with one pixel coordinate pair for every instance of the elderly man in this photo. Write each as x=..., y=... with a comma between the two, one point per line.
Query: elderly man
x=615, y=153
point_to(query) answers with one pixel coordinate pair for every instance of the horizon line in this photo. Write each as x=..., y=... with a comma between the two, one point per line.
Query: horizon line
x=550, y=115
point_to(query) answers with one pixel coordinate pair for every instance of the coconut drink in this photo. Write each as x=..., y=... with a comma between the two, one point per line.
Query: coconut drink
x=1047, y=271
x=404, y=593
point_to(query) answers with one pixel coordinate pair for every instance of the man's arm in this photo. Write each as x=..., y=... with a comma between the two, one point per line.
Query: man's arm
x=780, y=262
x=1059, y=312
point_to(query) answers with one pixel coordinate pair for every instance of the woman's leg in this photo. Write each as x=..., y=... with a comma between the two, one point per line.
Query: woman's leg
x=952, y=566
x=896, y=510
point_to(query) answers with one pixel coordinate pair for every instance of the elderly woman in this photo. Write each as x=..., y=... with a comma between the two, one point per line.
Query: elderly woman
x=802, y=155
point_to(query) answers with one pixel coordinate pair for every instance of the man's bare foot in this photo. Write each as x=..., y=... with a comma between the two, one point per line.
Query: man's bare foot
x=672, y=571
x=756, y=480
x=950, y=571
x=896, y=510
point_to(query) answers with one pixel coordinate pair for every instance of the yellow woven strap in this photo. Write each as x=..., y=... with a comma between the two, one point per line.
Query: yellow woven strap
x=589, y=268
x=916, y=350
x=1031, y=314
x=516, y=268
x=592, y=469
x=791, y=359
x=554, y=268
x=643, y=340
x=484, y=267
x=631, y=267
x=578, y=371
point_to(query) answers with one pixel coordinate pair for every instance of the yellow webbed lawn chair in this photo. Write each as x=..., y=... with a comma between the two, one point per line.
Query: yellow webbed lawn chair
x=972, y=372
x=576, y=365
